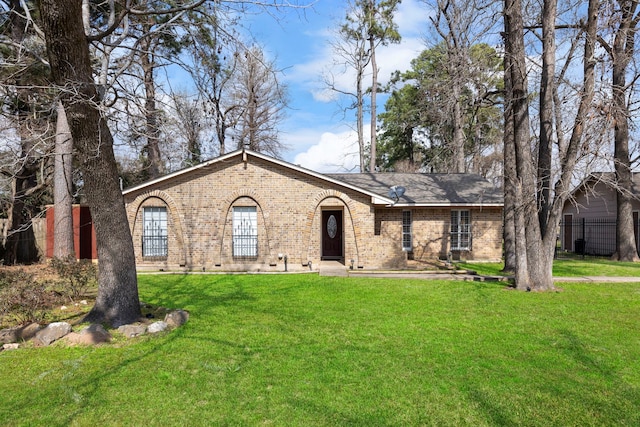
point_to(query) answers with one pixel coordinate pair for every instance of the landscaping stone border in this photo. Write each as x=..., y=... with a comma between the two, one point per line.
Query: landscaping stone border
x=94, y=334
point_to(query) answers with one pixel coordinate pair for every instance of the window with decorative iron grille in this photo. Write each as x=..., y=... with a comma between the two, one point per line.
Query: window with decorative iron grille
x=154, y=234
x=245, y=232
x=460, y=231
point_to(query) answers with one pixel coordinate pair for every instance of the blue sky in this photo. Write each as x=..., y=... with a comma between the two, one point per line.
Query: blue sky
x=318, y=135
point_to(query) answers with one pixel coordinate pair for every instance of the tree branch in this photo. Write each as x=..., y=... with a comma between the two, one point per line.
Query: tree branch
x=137, y=12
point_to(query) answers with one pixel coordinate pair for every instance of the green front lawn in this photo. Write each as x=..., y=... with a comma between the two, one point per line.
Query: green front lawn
x=303, y=350
x=569, y=268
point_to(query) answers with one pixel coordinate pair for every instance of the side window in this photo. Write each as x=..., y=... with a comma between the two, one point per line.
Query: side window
x=154, y=234
x=407, y=243
x=460, y=231
x=245, y=232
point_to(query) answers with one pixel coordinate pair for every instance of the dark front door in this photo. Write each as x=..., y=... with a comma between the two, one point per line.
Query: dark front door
x=331, y=234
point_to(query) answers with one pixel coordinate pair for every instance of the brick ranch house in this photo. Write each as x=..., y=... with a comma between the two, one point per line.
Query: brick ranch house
x=246, y=211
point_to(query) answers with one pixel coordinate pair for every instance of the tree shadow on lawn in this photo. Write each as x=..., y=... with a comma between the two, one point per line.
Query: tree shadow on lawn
x=495, y=414
x=185, y=294
x=618, y=395
x=333, y=415
x=205, y=295
x=561, y=392
x=76, y=387
x=91, y=383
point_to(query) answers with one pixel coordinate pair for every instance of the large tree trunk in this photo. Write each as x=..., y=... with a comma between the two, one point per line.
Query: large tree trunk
x=514, y=44
x=68, y=52
x=20, y=240
x=539, y=246
x=62, y=188
x=547, y=90
x=509, y=172
x=537, y=274
x=623, y=49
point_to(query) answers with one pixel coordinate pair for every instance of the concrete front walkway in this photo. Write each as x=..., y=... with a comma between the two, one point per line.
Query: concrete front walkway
x=333, y=268
x=598, y=279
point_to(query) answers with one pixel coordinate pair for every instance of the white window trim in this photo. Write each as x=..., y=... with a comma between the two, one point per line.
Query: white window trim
x=155, y=243
x=245, y=232
x=409, y=233
x=460, y=233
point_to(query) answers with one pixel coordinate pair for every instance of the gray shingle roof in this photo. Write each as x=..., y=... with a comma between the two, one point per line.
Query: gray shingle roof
x=421, y=189
x=428, y=189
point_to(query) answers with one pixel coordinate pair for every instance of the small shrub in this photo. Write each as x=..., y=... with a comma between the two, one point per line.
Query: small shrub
x=77, y=276
x=22, y=299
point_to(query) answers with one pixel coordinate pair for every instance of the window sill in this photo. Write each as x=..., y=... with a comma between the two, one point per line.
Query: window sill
x=245, y=258
x=154, y=258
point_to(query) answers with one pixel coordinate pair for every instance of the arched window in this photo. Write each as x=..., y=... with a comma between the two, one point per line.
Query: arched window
x=154, y=233
x=245, y=232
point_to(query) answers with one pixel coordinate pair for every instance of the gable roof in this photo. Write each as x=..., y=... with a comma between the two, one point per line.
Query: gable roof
x=609, y=180
x=421, y=189
x=376, y=199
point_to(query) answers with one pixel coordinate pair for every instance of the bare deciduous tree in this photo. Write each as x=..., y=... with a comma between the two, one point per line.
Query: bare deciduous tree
x=351, y=47
x=260, y=102
x=535, y=246
x=368, y=25
x=26, y=103
x=459, y=27
x=624, y=18
x=214, y=51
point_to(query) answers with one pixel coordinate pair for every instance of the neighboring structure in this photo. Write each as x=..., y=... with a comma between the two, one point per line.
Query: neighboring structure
x=248, y=211
x=588, y=222
x=84, y=236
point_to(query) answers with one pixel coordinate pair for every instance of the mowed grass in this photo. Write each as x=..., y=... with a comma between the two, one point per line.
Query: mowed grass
x=598, y=267
x=303, y=350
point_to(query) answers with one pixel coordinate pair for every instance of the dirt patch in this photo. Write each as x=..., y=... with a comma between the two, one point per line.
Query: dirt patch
x=41, y=271
x=64, y=309
x=36, y=293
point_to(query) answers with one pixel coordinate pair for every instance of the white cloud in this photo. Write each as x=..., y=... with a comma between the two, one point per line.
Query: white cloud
x=410, y=17
x=334, y=152
x=300, y=139
x=316, y=131
x=398, y=57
